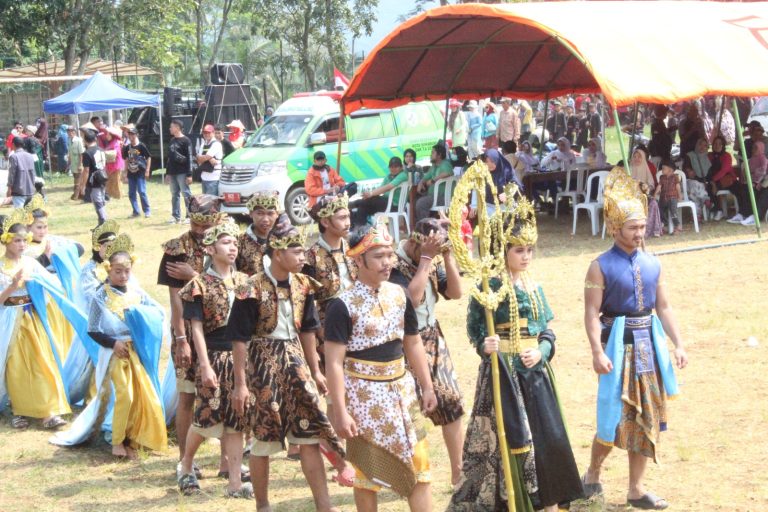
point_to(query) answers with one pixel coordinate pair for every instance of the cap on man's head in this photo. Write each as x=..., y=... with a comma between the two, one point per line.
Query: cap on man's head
x=319, y=155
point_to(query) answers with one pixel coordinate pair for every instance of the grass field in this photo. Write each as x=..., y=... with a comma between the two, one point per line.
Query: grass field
x=712, y=458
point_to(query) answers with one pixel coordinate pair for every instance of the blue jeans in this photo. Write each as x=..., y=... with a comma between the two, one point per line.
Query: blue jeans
x=178, y=187
x=137, y=183
x=99, y=203
x=18, y=201
x=211, y=187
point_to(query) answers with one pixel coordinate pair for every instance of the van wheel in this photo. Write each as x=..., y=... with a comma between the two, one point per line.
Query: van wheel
x=297, y=206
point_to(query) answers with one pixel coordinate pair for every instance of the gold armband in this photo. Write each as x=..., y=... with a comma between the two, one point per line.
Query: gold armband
x=590, y=285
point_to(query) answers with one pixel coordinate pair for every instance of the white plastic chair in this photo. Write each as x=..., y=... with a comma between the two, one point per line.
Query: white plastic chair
x=685, y=203
x=722, y=196
x=393, y=218
x=567, y=192
x=592, y=206
x=447, y=185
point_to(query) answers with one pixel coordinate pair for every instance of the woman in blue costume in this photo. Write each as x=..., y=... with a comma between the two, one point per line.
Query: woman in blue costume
x=622, y=289
x=542, y=463
x=127, y=324
x=30, y=349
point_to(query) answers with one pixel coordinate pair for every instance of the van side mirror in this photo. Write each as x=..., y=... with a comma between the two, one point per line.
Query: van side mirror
x=317, y=138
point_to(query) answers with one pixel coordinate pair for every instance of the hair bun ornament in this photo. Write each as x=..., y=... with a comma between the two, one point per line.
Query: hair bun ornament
x=17, y=216
x=107, y=231
x=122, y=243
x=37, y=203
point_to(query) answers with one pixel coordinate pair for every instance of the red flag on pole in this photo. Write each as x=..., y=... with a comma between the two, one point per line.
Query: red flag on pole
x=339, y=80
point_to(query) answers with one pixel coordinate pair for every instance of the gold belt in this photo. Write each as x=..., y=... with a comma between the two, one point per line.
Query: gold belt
x=18, y=300
x=374, y=370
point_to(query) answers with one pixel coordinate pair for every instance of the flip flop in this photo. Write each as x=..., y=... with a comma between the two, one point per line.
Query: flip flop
x=245, y=491
x=591, y=489
x=245, y=476
x=648, y=501
x=188, y=484
x=19, y=422
x=53, y=422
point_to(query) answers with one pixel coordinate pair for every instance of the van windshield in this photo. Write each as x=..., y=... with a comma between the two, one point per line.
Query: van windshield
x=280, y=131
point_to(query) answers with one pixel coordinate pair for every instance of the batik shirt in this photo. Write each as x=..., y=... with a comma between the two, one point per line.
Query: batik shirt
x=332, y=268
x=403, y=274
x=251, y=253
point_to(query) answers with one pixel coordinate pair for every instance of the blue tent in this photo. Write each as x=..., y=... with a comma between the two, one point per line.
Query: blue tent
x=97, y=93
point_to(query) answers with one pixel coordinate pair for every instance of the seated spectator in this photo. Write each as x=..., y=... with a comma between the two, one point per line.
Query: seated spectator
x=502, y=174
x=758, y=165
x=723, y=174
x=409, y=164
x=644, y=172
x=441, y=169
x=696, y=167
x=509, y=150
x=461, y=162
x=527, y=159
x=375, y=201
x=593, y=154
x=321, y=179
x=561, y=159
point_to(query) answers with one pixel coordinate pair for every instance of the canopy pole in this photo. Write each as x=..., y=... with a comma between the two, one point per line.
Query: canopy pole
x=445, y=124
x=341, y=137
x=162, y=143
x=621, y=139
x=747, y=173
x=544, y=125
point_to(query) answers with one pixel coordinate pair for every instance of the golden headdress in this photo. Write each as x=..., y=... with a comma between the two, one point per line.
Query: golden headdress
x=17, y=216
x=518, y=219
x=107, y=231
x=228, y=227
x=266, y=200
x=377, y=236
x=122, y=243
x=326, y=206
x=623, y=200
x=285, y=235
x=204, y=209
x=37, y=202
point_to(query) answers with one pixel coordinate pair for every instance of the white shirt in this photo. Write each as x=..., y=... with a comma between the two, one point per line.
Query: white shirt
x=285, y=329
x=548, y=162
x=217, y=152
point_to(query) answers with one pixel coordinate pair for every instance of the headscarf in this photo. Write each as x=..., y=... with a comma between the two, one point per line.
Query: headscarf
x=502, y=175
x=699, y=161
x=527, y=156
x=641, y=172
x=758, y=162
x=63, y=135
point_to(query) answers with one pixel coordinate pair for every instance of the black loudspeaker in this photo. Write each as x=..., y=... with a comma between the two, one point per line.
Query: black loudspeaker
x=228, y=95
x=227, y=73
x=171, y=100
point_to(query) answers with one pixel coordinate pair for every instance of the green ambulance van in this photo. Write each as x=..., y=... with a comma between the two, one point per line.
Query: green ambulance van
x=279, y=154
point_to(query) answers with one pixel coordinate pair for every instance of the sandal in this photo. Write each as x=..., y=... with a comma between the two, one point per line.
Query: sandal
x=53, y=422
x=195, y=469
x=245, y=491
x=591, y=489
x=648, y=501
x=19, y=422
x=188, y=484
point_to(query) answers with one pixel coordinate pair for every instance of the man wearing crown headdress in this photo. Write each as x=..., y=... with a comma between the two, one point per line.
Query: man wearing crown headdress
x=369, y=329
x=272, y=328
x=426, y=269
x=623, y=287
x=30, y=352
x=207, y=303
x=264, y=208
x=328, y=263
x=182, y=260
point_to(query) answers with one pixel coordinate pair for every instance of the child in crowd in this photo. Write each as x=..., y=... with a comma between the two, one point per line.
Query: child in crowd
x=668, y=193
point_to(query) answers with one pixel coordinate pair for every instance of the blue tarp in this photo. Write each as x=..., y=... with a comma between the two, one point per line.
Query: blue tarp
x=99, y=93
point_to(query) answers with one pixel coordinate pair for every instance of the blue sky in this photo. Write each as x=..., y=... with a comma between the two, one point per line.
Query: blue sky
x=386, y=20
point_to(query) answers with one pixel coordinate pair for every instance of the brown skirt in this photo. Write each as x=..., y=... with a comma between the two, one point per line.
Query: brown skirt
x=113, y=186
x=213, y=406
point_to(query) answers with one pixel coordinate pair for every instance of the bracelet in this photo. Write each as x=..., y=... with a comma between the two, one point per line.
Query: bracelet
x=425, y=257
x=177, y=338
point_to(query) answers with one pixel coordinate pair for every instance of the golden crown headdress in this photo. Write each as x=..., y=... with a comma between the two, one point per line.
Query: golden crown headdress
x=122, y=243
x=17, y=216
x=264, y=200
x=623, y=200
x=517, y=217
x=225, y=228
x=328, y=205
x=37, y=202
x=108, y=226
x=207, y=218
x=285, y=235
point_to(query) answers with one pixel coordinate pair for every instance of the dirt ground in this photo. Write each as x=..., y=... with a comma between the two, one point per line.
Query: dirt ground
x=712, y=458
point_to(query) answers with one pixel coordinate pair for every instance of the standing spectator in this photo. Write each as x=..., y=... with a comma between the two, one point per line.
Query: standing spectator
x=457, y=124
x=62, y=149
x=113, y=150
x=178, y=170
x=571, y=124
x=138, y=163
x=321, y=179
x=525, y=114
x=17, y=131
x=75, y=157
x=474, y=130
x=582, y=129
x=509, y=122
x=595, y=121
x=21, y=174
x=209, y=157
x=556, y=123
x=691, y=129
x=490, y=125
x=236, y=133
x=660, y=145
x=268, y=112
x=34, y=148
x=41, y=134
x=94, y=163
x=226, y=144
x=668, y=193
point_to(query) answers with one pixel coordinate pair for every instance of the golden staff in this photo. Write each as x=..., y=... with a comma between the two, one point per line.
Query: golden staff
x=490, y=262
